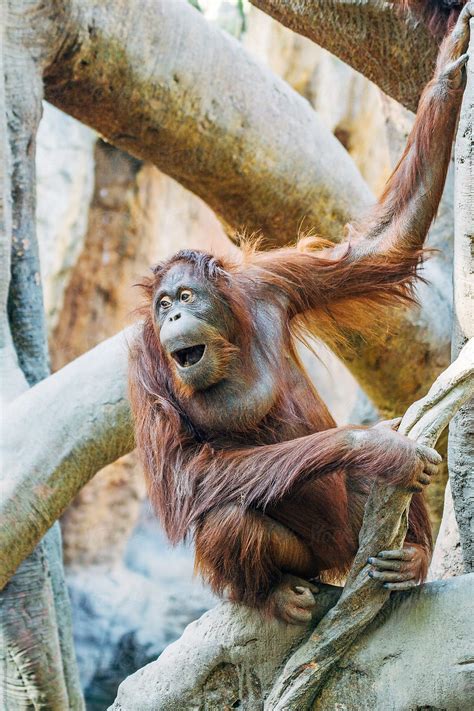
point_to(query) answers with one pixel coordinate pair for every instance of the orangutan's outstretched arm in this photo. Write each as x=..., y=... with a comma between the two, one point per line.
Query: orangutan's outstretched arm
x=377, y=264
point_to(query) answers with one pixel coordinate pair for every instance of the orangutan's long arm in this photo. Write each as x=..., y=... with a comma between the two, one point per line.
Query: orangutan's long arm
x=410, y=200
x=262, y=475
x=378, y=262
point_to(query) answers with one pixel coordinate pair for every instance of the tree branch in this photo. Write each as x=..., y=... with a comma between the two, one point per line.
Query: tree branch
x=390, y=48
x=57, y=436
x=258, y=155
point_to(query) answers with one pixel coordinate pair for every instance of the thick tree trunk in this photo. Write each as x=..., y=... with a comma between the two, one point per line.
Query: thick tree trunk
x=391, y=48
x=461, y=430
x=37, y=660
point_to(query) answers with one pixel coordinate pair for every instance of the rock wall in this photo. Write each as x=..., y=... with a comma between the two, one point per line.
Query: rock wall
x=65, y=180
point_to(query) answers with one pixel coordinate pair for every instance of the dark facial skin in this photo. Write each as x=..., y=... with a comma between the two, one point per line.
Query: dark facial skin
x=193, y=325
x=198, y=333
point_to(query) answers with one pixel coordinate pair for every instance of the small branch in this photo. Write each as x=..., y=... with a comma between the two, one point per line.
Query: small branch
x=447, y=555
x=426, y=419
x=384, y=526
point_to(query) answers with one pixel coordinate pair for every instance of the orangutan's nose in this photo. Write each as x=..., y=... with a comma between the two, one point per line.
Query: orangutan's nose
x=174, y=317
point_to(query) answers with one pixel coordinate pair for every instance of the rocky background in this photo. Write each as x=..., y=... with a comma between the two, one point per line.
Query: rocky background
x=103, y=218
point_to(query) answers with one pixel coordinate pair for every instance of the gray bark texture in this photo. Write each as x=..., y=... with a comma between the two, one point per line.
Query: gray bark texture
x=447, y=559
x=38, y=666
x=217, y=668
x=461, y=429
x=391, y=48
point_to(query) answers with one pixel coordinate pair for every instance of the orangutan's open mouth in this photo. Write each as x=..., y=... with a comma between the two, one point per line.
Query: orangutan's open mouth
x=188, y=356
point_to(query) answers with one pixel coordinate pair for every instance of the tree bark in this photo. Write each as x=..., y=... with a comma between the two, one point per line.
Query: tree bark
x=37, y=660
x=447, y=558
x=81, y=421
x=461, y=429
x=258, y=155
x=390, y=48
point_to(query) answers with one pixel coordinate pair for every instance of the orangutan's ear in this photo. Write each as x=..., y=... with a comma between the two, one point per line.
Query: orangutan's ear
x=157, y=268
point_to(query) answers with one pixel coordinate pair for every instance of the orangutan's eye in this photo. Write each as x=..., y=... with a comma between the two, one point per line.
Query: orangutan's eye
x=187, y=296
x=165, y=302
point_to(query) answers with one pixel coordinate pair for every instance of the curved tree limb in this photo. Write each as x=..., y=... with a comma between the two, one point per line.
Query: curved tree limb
x=390, y=48
x=258, y=155
x=384, y=527
x=77, y=420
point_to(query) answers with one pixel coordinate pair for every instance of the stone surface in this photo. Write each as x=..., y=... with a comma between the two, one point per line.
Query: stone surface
x=418, y=657
x=65, y=181
x=126, y=615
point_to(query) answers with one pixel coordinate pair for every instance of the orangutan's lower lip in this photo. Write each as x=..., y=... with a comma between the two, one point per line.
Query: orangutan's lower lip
x=185, y=357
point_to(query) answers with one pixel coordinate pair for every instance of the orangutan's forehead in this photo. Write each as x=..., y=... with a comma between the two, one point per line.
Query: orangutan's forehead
x=180, y=274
